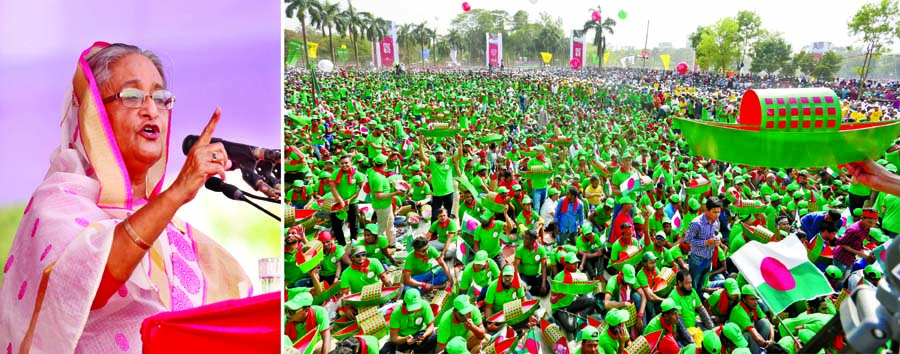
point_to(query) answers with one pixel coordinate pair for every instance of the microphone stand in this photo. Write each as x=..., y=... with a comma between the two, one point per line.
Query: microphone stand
x=243, y=198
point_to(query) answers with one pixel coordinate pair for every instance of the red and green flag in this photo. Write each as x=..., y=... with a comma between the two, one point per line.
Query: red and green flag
x=781, y=272
x=630, y=185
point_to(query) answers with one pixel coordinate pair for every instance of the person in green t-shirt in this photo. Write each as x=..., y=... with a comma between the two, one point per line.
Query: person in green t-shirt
x=292, y=272
x=412, y=326
x=419, y=191
x=539, y=182
x=299, y=313
x=363, y=271
x=417, y=270
x=463, y=320
x=531, y=263
x=647, y=281
x=590, y=251
x=687, y=299
x=382, y=197
x=357, y=344
x=376, y=247
x=581, y=305
x=888, y=207
x=722, y=301
x=479, y=273
x=502, y=290
x=443, y=233
x=589, y=338
x=376, y=142
x=615, y=339
x=441, y=175
x=346, y=184
x=757, y=329
x=489, y=234
x=332, y=259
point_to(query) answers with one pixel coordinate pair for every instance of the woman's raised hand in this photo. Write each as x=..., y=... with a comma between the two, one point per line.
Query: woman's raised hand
x=204, y=160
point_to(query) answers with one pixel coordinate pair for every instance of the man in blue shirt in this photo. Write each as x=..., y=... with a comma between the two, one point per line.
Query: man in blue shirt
x=701, y=235
x=569, y=216
x=811, y=224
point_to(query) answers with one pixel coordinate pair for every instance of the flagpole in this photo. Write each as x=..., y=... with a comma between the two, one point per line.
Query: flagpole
x=780, y=322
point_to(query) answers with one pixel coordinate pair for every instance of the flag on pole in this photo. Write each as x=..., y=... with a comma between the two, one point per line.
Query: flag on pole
x=676, y=220
x=632, y=184
x=781, y=272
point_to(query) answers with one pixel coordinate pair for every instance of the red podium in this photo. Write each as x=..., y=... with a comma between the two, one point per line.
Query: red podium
x=251, y=325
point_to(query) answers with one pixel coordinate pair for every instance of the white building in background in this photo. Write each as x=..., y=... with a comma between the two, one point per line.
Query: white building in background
x=819, y=48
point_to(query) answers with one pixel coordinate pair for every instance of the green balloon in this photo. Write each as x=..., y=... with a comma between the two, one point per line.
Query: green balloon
x=622, y=14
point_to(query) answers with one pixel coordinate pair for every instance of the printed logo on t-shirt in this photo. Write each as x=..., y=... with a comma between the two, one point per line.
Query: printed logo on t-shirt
x=537, y=257
x=418, y=321
x=371, y=274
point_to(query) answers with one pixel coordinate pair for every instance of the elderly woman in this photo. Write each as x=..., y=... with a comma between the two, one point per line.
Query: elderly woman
x=98, y=249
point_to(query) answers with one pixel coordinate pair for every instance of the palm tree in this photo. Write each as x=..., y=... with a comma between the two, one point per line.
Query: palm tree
x=299, y=9
x=422, y=35
x=404, y=35
x=374, y=28
x=351, y=23
x=599, y=38
x=325, y=15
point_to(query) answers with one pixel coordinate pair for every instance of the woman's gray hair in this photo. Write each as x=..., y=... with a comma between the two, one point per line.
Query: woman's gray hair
x=102, y=60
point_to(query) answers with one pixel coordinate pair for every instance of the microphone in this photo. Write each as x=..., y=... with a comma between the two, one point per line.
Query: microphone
x=236, y=152
x=215, y=184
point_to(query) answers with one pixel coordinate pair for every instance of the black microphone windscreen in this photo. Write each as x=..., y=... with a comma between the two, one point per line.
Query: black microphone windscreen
x=231, y=191
x=188, y=143
x=214, y=184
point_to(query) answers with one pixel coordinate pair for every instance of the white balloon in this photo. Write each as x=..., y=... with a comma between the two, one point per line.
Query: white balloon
x=325, y=65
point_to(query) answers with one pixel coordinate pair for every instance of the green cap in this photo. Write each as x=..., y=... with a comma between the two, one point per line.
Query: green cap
x=299, y=183
x=734, y=334
x=798, y=194
x=638, y=219
x=649, y=256
x=463, y=305
x=878, y=235
x=457, y=345
x=747, y=289
x=414, y=167
x=658, y=205
x=480, y=257
x=731, y=286
x=300, y=300
x=508, y=271
x=586, y=228
x=626, y=199
x=502, y=190
x=834, y=272
x=617, y=317
x=517, y=187
x=628, y=274
x=539, y=148
x=857, y=212
x=570, y=257
x=669, y=304
x=412, y=299
x=552, y=191
x=711, y=342
x=693, y=204
x=372, y=228
x=439, y=150
x=610, y=203
x=675, y=198
x=380, y=159
x=589, y=333
x=487, y=214
x=415, y=179
x=872, y=272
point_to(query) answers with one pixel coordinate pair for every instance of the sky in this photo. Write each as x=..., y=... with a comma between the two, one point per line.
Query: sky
x=801, y=21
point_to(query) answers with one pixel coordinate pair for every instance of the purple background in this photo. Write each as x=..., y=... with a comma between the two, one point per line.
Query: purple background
x=223, y=53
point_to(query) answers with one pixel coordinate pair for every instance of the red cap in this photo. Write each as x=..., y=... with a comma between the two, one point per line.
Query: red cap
x=324, y=236
x=482, y=153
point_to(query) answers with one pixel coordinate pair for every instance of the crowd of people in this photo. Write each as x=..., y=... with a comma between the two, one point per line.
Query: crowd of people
x=470, y=191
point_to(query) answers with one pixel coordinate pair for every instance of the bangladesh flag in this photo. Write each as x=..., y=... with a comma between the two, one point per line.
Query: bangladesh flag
x=676, y=221
x=632, y=184
x=781, y=272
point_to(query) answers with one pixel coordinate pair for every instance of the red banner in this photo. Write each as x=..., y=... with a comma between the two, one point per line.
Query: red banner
x=576, y=46
x=494, y=49
x=386, y=49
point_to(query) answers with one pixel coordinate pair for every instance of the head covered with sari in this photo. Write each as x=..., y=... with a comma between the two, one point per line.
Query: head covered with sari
x=61, y=248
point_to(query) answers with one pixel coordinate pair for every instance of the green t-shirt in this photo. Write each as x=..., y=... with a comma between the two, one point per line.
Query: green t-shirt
x=589, y=246
x=291, y=270
x=408, y=324
x=497, y=299
x=375, y=250
x=322, y=322
x=330, y=261
x=890, y=218
x=344, y=188
x=607, y=344
x=689, y=304
x=379, y=183
x=442, y=232
x=530, y=260
x=618, y=247
x=553, y=254
x=450, y=329
x=318, y=138
x=620, y=177
x=380, y=141
x=859, y=189
x=356, y=280
x=667, y=176
x=417, y=266
x=479, y=184
x=647, y=279
x=441, y=177
x=489, y=239
x=419, y=193
x=539, y=181
x=742, y=317
x=469, y=275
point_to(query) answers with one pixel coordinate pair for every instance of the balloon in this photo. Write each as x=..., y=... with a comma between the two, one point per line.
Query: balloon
x=575, y=63
x=466, y=6
x=682, y=67
x=325, y=66
x=595, y=16
x=622, y=14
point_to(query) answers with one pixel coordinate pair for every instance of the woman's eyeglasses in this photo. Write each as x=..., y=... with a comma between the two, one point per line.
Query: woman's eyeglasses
x=134, y=98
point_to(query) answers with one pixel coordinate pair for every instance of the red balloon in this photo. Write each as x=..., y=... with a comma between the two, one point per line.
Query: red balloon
x=466, y=7
x=575, y=63
x=595, y=16
x=682, y=67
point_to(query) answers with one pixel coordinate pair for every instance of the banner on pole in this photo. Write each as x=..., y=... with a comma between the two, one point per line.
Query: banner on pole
x=546, y=57
x=605, y=58
x=665, y=60
x=494, y=50
x=453, y=56
x=385, y=52
x=576, y=46
x=312, y=50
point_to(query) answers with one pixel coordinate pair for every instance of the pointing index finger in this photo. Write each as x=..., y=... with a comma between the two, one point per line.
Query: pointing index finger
x=206, y=136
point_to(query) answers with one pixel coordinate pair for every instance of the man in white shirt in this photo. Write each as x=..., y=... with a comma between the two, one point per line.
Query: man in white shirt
x=549, y=206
